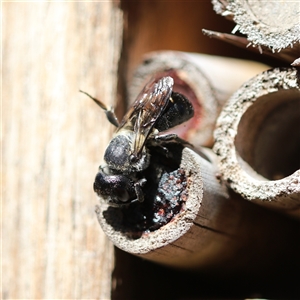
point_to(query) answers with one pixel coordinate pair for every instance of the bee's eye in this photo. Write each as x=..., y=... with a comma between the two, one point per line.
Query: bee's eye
x=133, y=158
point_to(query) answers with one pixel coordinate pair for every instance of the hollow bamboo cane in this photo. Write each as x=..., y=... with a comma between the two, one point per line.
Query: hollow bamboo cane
x=258, y=140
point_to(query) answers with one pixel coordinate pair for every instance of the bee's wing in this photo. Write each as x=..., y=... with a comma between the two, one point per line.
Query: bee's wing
x=145, y=111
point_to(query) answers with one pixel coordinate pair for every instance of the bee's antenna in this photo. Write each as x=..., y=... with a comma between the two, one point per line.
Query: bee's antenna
x=112, y=118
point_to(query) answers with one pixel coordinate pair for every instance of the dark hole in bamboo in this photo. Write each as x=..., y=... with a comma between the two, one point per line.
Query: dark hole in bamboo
x=268, y=136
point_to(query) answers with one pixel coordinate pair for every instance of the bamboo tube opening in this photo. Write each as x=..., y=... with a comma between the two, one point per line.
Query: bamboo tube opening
x=257, y=139
x=267, y=139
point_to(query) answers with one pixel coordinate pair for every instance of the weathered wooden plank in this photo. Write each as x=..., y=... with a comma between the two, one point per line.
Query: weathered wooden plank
x=53, y=140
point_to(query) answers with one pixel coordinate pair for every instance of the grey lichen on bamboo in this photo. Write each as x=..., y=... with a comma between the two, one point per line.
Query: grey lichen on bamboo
x=257, y=139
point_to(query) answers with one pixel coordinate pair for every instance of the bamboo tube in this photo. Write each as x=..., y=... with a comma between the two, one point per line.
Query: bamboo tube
x=258, y=140
x=273, y=24
x=207, y=81
x=210, y=232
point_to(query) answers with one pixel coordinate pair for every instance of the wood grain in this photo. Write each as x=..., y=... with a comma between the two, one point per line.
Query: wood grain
x=53, y=140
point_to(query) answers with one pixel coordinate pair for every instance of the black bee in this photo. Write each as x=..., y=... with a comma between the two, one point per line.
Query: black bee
x=156, y=109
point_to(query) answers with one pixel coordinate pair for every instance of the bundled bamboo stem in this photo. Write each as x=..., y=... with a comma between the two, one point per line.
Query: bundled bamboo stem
x=258, y=137
x=207, y=81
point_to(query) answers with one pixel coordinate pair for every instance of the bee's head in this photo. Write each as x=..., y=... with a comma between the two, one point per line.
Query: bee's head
x=118, y=156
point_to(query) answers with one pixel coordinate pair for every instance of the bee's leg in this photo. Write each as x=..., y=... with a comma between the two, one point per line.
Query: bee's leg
x=169, y=138
x=163, y=140
x=110, y=114
x=138, y=189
